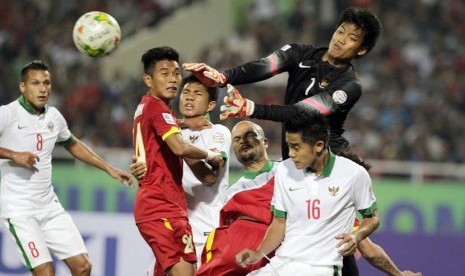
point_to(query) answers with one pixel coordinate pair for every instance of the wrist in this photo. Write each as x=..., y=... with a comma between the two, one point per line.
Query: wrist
x=210, y=155
x=249, y=107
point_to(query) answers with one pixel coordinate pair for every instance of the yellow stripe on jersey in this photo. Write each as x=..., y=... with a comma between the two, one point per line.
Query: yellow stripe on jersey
x=208, y=246
x=171, y=131
x=167, y=224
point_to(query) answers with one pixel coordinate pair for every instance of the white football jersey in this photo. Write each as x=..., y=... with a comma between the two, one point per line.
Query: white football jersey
x=205, y=202
x=27, y=191
x=319, y=208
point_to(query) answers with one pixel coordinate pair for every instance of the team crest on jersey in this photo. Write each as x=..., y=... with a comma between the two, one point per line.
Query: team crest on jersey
x=323, y=84
x=168, y=118
x=193, y=138
x=50, y=126
x=218, y=138
x=333, y=190
x=340, y=96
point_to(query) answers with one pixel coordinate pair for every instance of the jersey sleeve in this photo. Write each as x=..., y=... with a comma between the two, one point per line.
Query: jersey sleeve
x=278, y=62
x=162, y=120
x=278, y=206
x=64, y=134
x=322, y=103
x=362, y=191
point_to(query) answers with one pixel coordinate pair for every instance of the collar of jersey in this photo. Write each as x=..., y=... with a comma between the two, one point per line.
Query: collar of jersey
x=252, y=174
x=330, y=165
x=27, y=106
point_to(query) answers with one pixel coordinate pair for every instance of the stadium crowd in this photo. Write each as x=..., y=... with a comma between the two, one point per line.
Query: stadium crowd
x=413, y=106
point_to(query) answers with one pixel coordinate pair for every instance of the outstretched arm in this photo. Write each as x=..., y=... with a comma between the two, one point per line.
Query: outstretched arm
x=237, y=106
x=82, y=152
x=250, y=72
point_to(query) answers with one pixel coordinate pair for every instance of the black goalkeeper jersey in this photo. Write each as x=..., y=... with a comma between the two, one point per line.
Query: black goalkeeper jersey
x=312, y=84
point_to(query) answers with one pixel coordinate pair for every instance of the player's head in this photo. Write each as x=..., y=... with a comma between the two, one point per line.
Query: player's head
x=249, y=143
x=35, y=85
x=196, y=99
x=307, y=137
x=357, y=31
x=162, y=74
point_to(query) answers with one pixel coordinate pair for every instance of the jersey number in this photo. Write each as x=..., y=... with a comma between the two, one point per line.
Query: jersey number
x=313, y=209
x=310, y=86
x=40, y=141
x=187, y=240
x=33, y=249
x=139, y=147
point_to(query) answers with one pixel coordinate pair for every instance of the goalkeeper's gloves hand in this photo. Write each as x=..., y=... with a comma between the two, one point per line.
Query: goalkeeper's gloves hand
x=235, y=105
x=206, y=74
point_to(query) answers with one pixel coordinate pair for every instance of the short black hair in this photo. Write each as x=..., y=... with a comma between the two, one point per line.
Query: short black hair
x=367, y=21
x=152, y=56
x=33, y=65
x=212, y=91
x=313, y=126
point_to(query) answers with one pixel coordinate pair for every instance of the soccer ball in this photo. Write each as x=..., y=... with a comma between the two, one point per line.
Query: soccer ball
x=96, y=34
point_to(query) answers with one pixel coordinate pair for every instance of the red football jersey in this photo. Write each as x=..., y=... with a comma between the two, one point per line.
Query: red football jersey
x=251, y=197
x=160, y=193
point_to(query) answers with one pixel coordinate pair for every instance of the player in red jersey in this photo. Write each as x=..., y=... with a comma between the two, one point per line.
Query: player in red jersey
x=160, y=207
x=246, y=214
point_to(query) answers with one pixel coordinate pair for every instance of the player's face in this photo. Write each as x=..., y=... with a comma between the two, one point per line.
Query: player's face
x=164, y=82
x=36, y=89
x=247, y=144
x=302, y=153
x=194, y=100
x=346, y=41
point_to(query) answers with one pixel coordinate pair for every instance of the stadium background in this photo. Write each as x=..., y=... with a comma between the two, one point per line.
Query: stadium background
x=409, y=122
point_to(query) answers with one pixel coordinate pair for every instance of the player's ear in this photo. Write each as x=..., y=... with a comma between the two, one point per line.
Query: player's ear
x=211, y=106
x=147, y=80
x=22, y=87
x=362, y=52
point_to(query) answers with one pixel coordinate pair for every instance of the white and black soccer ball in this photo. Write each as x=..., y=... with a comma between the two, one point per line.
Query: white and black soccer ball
x=96, y=33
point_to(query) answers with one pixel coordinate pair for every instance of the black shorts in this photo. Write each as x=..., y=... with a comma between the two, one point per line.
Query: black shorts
x=349, y=266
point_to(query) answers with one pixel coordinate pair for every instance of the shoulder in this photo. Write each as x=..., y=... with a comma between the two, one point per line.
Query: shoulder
x=297, y=50
x=221, y=128
x=10, y=107
x=285, y=166
x=348, y=165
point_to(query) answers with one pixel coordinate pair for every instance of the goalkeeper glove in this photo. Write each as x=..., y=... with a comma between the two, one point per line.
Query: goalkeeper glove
x=206, y=74
x=235, y=105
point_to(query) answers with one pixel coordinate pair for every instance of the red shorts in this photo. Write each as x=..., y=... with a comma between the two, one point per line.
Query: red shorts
x=170, y=240
x=219, y=253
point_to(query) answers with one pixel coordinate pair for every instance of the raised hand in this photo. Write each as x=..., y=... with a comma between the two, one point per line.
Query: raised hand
x=206, y=74
x=235, y=105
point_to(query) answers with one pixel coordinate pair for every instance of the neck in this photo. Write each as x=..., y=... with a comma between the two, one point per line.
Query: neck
x=319, y=164
x=338, y=63
x=255, y=166
x=196, y=123
x=166, y=100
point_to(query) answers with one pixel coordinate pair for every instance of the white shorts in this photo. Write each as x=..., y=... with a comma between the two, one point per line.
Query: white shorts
x=39, y=235
x=286, y=267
